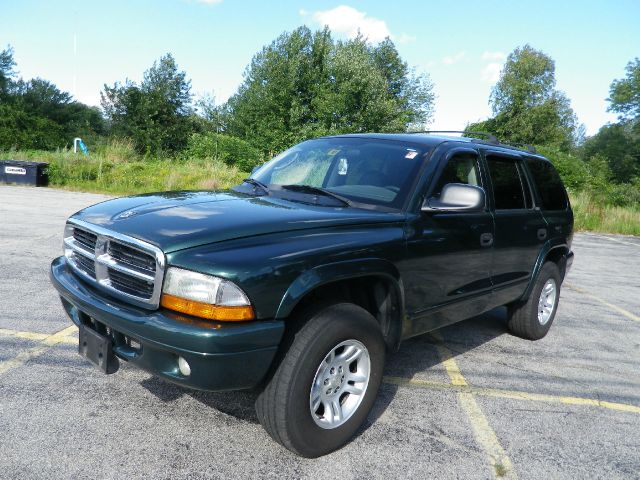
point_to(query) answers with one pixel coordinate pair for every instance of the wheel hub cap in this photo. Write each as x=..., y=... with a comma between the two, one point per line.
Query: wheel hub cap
x=547, y=301
x=340, y=384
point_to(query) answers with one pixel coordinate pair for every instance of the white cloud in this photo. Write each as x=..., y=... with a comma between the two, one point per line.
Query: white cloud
x=349, y=21
x=450, y=60
x=491, y=73
x=494, y=56
x=208, y=2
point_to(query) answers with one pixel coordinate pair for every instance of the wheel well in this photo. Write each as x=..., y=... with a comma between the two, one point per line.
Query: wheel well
x=558, y=256
x=376, y=294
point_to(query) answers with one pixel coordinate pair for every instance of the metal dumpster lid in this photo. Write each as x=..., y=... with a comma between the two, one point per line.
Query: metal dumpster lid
x=22, y=163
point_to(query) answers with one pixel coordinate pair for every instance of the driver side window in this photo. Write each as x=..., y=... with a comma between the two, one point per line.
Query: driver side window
x=461, y=168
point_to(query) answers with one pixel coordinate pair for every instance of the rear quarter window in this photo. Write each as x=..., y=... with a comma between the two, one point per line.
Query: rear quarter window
x=549, y=185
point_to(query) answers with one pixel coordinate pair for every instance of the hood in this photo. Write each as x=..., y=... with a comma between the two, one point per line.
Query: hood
x=178, y=220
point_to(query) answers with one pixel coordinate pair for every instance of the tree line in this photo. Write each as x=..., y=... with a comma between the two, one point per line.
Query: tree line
x=306, y=84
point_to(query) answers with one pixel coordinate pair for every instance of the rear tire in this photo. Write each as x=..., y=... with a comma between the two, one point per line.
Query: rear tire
x=532, y=319
x=335, y=358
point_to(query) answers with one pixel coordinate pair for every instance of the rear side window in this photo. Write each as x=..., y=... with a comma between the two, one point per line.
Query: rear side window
x=549, y=185
x=508, y=189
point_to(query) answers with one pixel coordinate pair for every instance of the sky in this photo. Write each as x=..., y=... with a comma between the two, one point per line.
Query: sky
x=82, y=44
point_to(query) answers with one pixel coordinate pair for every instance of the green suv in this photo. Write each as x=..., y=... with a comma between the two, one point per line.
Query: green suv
x=297, y=281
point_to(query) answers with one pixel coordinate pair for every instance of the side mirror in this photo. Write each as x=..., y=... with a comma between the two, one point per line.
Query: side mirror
x=457, y=197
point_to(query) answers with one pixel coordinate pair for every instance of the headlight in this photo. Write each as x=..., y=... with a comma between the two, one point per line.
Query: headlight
x=204, y=296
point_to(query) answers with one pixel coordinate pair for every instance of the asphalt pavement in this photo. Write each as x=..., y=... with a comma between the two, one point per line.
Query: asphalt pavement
x=469, y=401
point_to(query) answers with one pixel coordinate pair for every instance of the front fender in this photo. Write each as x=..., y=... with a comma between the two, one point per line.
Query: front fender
x=332, y=272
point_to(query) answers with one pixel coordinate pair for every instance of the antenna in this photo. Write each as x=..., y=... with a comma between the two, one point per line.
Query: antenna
x=75, y=66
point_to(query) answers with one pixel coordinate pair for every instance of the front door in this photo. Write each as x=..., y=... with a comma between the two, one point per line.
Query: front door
x=447, y=269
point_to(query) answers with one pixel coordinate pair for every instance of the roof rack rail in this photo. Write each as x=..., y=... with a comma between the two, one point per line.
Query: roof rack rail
x=490, y=138
x=524, y=146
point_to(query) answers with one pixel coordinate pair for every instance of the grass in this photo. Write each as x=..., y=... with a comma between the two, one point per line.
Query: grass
x=115, y=168
x=592, y=215
x=118, y=170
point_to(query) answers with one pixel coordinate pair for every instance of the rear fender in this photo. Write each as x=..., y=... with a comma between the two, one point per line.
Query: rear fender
x=551, y=248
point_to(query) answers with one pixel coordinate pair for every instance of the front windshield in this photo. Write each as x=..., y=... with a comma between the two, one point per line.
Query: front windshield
x=363, y=170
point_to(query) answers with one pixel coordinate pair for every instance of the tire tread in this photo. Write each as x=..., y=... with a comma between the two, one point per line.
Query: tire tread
x=523, y=316
x=271, y=404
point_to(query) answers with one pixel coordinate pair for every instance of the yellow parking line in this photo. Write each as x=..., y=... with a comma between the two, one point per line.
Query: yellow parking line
x=513, y=394
x=484, y=434
x=46, y=343
x=613, y=307
x=617, y=240
x=28, y=335
x=38, y=337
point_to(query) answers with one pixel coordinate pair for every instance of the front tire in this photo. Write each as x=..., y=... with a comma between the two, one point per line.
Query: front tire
x=327, y=382
x=532, y=319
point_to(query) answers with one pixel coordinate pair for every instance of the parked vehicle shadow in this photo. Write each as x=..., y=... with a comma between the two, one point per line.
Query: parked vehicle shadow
x=416, y=355
x=419, y=354
x=238, y=404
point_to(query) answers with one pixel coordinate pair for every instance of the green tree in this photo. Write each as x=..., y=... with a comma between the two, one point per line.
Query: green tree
x=527, y=107
x=41, y=98
x=624, y=94
x=36, y=114
x=618, y=144
x=305, y=84
x=156, y=114
x=6, y=71
x=231, y=150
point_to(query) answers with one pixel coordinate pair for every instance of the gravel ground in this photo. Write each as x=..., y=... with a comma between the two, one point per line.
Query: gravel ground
x=567, y=406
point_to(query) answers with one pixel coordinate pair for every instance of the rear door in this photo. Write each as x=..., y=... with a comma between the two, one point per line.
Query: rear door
x=520, y=228
x=552, y=199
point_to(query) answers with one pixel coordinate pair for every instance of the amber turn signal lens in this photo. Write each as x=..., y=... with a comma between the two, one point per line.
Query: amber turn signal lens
x=205, y=310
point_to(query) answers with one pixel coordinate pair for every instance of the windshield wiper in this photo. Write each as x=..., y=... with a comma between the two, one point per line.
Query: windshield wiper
x=317, y=191
x=257, y=183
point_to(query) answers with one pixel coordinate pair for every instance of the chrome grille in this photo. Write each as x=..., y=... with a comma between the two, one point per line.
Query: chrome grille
x=132, y=257
x=130, y=285
x=123, y=266
x=87, y=265
x=85, y=239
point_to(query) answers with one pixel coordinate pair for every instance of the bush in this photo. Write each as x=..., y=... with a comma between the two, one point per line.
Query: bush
x=593, y=178
x=573, y=171
x=231, y=150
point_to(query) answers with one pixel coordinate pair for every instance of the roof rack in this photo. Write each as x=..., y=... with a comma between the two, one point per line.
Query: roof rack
x=492, y=139
x=524, y=146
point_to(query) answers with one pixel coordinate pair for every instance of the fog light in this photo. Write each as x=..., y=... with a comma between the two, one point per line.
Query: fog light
x=184, y=367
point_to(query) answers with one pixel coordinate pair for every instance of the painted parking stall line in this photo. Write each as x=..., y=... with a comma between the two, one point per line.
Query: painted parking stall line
x=611, y=239
x=458, y=383
x=484, y=434
x=45, y=344
x=35, y=336
x=513, y=394
x=611, y=306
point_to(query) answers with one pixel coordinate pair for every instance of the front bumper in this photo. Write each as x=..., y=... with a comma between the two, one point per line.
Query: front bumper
x=222, y=356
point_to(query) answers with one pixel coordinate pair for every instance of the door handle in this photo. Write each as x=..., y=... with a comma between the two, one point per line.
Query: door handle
x=486, y=239
x=542, y=233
